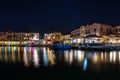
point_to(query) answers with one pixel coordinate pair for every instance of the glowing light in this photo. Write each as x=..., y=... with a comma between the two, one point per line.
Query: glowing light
x=114, y=56
x=50, y=57
x=25, y=57
x=75, y=54
x=0, y=53
x=45, y=57
x=19, y=54
x=13, y=55
x=29, y=53
x=102, y=56
x=95, y=57
x=36, y=58
x=119, y=56
x=110, y=56
x=35, y=37
x=85, y=64
x=66, y=56
x=6, y=59
x=80, y=56
x=70, y=57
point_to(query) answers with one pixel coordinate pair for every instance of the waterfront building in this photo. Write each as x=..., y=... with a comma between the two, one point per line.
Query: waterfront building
x=52, y=37
x=16, y=38
x=67, y=39
x=116, y=30
x=93, y=38
x=94, y=31
x=77, y=35
x=48, y=38
x=98, y=29
x=112, y=40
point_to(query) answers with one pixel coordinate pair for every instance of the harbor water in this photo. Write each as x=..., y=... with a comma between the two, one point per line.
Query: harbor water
x=43, y=63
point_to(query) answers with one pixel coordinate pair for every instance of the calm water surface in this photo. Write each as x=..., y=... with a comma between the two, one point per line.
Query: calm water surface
x=35, y=63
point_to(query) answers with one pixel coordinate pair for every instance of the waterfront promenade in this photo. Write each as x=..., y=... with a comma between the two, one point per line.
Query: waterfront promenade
x=97, y=47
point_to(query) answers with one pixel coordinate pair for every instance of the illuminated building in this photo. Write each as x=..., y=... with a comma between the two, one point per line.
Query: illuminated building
x=15, y=38
x=12, y=36
x=91, y=33
x=51, y=37
x=78, y=34
x=48, y=38
x=67, y=39
x=98, y=29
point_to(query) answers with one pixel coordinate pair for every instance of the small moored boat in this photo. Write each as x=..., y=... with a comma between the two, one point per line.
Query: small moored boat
x=59, y=46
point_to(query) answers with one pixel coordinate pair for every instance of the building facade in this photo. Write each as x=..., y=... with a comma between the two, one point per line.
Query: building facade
x=98, y=29
x=16, y=38
x=67, y=39
x=20, y=36
x=52, y=37
x=94, y=30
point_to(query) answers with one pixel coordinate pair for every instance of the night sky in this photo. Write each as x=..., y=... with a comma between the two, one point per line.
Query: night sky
x=56, y=15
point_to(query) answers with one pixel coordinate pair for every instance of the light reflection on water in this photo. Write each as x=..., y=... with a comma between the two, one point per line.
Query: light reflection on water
x=41, y=56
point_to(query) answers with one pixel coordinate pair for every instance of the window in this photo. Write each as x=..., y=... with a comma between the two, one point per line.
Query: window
x=94, y=29
x=101, y=29
x=107, y=30
x=116, y=30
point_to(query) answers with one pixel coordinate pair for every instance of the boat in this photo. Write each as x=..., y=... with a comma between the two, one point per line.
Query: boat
x=60, y=46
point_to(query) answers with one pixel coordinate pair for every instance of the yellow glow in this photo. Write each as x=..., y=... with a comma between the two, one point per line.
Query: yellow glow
x=0, y=54
x=66, y=56
x=36, y=58
x=95, y=58
x=70, y=57
x=29, y=53
x=25, y=59
x=19, y=59
x=110, y=56
x=51, y=57
x=119, y=56
x=35, y=37
x=114, y=56
x=13, y=55
x=6, y=59
x=102, y=56
x=80, y=56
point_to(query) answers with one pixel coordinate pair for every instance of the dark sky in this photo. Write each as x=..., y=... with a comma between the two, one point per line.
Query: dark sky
x=56, y=15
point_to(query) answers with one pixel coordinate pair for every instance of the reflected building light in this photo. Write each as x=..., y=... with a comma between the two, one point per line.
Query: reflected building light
x=70, y=57
x=14, y=48
x=32, y=52
x=66, y=56
x=85, y=64
x=45, y=60
x=50, y=57
x=3, y=54
x=114, y=56
x=106, y=56
x=75, y=54
x=89, y=55
x=95, y=57
x=19, y=59
x=8, y=48
x=9, y=54
x=80, y=56
x=102, y=56
x=119, y=56
x=13, y=55
x=110, y=57
x=29, y=53
x=25, y=58
x=0, y=53
x=6, y=59
x=36, y=58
